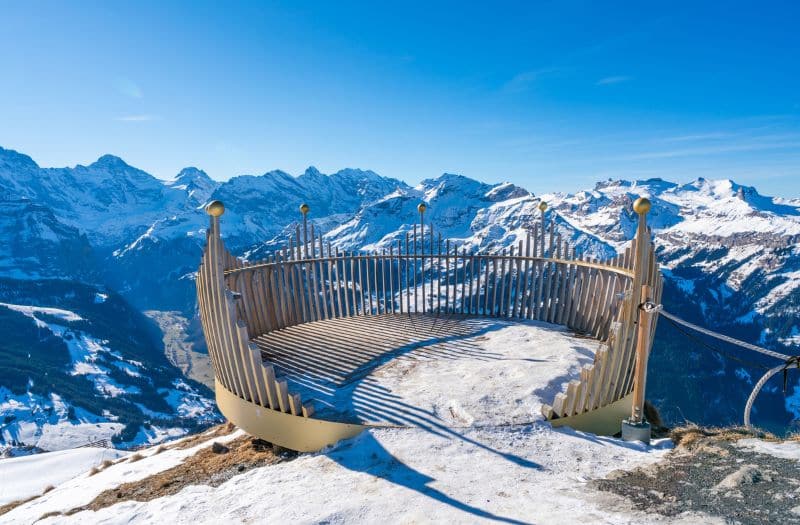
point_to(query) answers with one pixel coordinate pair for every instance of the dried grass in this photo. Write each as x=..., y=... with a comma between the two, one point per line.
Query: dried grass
x=134, y=458
x=690, y=436
x=217, y=431
x=203, y=468
x=8, y=507
x=261, y=455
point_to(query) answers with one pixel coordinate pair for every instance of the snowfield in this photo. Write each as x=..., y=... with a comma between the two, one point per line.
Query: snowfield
x=44, y=421
x=480, y=452
x=28, y=476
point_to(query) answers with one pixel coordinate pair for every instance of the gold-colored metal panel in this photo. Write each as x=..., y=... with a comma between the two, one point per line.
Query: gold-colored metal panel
x=604, y=421
x=303, y=434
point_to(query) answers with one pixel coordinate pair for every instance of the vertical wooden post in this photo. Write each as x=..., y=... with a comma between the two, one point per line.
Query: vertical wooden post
x=421, y=209
x=304, y=210
x=636, y=428
x=642, y=354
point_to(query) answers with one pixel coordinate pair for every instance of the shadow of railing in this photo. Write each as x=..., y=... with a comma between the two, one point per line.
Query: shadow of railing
x=374, y=459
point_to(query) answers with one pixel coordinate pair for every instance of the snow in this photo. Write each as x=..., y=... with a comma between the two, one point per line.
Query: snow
x=531, y=473
x=794, y=337
x=43, y=422
x=82, y=489
x=790, y=282
x=504, y=375
x=31, y=311
x=782, y=449
x=475, y=449
x=27, y=476
x=186, y=402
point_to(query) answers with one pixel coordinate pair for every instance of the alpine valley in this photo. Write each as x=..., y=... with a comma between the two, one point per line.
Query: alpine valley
x=99, y=335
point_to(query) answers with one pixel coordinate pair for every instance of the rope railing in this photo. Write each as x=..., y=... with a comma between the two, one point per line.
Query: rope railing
x=788, y=361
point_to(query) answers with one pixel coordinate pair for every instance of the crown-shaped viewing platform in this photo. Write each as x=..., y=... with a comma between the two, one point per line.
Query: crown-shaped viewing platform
x=296, y=339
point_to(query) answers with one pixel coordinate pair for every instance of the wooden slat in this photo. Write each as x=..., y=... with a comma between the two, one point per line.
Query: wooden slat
x=420, y=272
x=406, y=270
x=556, y=279
x=485, y=287
x=283, y=395
x=384, y=289
x=515, y=307
x=291, y=288
x=448, y=307
x=527, y=284
x=415, y=264
x=391, y=278
x=439, y=276
x=501, y=307
x=493, y=308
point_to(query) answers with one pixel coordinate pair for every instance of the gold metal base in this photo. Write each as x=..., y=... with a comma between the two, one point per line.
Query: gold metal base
x=604, y=421
x=303, y=434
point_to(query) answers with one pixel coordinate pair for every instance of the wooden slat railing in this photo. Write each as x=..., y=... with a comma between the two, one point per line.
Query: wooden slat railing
x=540, y=279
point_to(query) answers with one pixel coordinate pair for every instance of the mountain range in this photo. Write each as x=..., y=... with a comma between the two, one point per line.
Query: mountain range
x=730, y=256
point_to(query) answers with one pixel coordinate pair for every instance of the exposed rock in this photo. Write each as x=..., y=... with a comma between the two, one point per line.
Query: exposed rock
x=219, y=448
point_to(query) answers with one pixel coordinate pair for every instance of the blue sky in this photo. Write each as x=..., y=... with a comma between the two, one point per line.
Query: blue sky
x=550, y=95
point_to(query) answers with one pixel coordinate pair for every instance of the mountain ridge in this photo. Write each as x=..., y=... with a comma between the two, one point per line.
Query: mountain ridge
x=729, y=254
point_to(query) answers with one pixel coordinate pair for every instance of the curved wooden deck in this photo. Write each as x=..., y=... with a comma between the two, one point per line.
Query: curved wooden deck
x=345, y=366
x=287, y=333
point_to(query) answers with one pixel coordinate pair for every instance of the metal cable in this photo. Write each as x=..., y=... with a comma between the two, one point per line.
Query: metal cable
x=659, y=309
x=714, y=349
x=788, y=361
x=750, y=400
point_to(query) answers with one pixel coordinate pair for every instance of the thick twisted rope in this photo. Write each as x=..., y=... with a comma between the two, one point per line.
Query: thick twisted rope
x=788, y=361
x=721, y=337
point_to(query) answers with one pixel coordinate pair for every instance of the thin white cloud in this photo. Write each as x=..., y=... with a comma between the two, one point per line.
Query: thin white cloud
x=700, y=151
x=138, y=118
x=607, y=81
x=525, y=80
x=698, y=137
x=129, y=88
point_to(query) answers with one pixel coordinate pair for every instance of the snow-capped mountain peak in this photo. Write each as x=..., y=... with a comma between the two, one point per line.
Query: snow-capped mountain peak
x=11, y=159
x=730, y=253
x=110, y=162
x=196, y=183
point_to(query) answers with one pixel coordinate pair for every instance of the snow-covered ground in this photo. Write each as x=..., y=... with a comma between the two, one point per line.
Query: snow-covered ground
x=44, y=422
x=481, y=452
x=475, y=372
x=51, y=423
x=28, y=476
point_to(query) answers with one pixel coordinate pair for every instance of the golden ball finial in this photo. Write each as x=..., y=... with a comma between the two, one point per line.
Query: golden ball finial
x=421, y=207
x=215, y=208
x=304, y=208
x=641, y=205
x=542, y=206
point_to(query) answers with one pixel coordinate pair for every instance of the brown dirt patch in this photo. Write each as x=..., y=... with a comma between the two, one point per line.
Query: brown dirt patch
x=210, y=466
x=217, y=431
